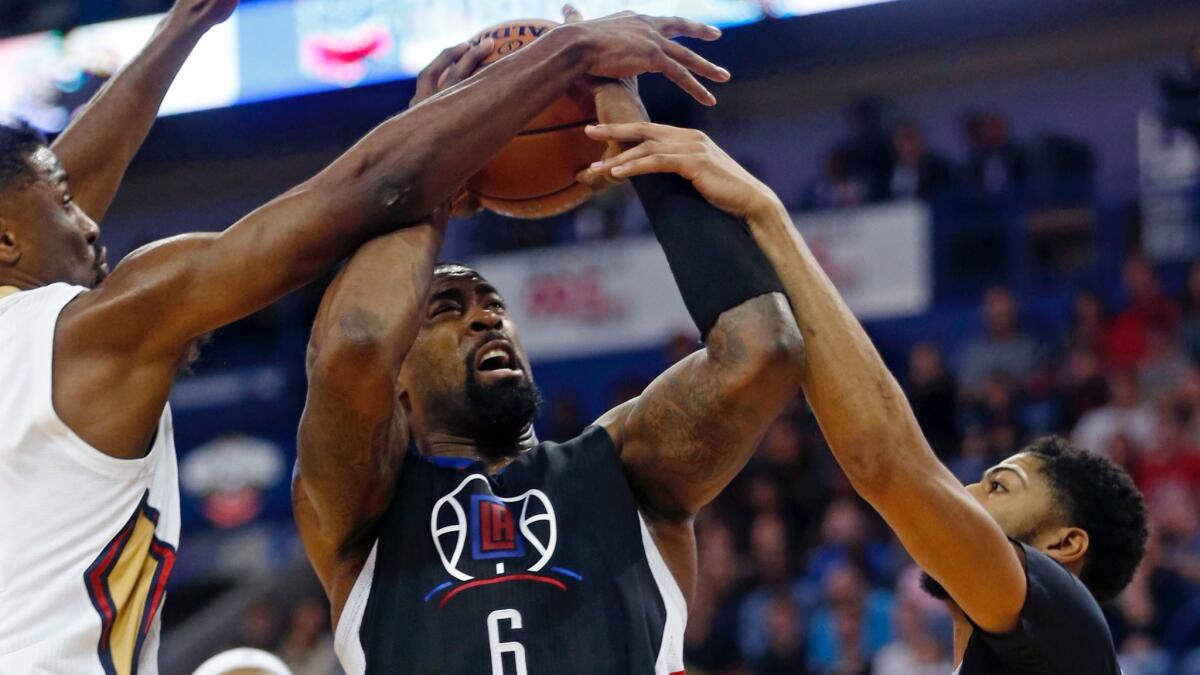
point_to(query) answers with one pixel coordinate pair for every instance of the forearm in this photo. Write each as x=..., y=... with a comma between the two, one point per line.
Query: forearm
x=862, y=410
x=350, y=436
x=416, y=160
x=97, y=147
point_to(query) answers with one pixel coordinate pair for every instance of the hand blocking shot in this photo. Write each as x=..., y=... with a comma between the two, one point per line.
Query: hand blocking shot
x=1024, y=556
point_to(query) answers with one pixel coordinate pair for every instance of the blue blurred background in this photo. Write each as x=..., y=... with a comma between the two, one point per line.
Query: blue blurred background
x=1008, y=192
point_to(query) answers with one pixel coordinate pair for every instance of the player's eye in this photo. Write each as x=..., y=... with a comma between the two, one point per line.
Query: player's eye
x=443, y=308
x=67, y=199
x=496, y=304
x=996, y=486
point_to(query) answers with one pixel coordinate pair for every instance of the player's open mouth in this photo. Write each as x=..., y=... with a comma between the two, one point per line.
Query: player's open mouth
x=498, y=359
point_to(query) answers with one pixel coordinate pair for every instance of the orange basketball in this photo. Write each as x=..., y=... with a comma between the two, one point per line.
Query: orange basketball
x=534, y=175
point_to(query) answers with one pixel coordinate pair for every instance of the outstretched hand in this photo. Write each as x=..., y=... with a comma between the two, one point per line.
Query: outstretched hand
x=692, y=155
x=625, y=45
x=205, y=13
x=452, y=66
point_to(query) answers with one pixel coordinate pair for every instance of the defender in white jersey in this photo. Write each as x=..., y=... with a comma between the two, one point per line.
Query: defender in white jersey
x=88, y=493
x=89, y=544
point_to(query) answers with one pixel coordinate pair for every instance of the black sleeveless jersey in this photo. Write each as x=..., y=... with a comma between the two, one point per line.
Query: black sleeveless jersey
x=545, y=567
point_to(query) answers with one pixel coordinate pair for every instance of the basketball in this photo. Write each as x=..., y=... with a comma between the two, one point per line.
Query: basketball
x=534, y=175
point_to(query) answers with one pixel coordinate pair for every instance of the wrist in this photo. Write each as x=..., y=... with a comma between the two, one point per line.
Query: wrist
x=574, y=43
x=767, y=211
x=179, y=25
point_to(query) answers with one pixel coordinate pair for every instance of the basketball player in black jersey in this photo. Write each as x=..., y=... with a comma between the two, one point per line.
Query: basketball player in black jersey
x=1025, y=555
x=481, y=550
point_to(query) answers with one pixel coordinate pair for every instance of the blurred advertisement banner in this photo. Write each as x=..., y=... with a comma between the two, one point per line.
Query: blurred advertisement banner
x=619, y=295
x=278, y=48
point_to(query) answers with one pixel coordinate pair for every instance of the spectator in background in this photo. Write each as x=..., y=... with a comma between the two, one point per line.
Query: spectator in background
x=996, y=165
x=934, y=398
x=851, y=623
x=1002, y=349
x=916, y=172
x=307, y=646
x=923, y=632
x=1124, y=415
x=846, y=539
x=1176, y=517
x=868, y=148
x=710, y=638
x=1181, y=92
x=1165, y=366
x=1191, y=316
x=1172, y=460
x=785, y=637
x=1089, y=324
x=1082, y=385
x=1148, y=309
x=838, y=187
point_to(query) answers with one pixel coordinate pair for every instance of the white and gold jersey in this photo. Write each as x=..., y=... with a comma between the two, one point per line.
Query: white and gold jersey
x=87, y=541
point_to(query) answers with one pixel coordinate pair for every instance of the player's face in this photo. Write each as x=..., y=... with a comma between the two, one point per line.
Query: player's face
x=1017, y=495
x=46, y=236
x=468, y=360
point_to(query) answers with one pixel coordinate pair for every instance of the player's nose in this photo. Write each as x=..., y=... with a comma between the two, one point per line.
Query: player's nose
x=91, y=231
x=486, y=320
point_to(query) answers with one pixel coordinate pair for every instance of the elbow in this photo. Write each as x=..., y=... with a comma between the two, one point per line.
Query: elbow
x=774, y=349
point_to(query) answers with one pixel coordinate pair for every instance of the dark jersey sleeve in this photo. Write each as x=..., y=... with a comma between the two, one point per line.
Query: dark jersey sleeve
x=1061, y=630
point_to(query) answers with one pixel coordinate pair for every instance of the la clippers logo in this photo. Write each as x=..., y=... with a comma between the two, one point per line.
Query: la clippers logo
x=483, y=539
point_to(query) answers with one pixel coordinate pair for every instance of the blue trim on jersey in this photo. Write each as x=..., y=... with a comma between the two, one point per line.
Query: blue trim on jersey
x=441, y=587
x=451, y=462
x=566, y=572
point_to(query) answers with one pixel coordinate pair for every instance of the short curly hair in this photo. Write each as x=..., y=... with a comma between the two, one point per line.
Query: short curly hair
x=17, y=142
x=1099, y=497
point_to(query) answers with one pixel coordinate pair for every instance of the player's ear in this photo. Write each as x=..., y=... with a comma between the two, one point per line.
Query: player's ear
x=1067, y=545
x=10, y=252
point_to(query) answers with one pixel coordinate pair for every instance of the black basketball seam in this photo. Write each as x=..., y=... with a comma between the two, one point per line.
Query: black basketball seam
x=560, y=127
x=525, y=199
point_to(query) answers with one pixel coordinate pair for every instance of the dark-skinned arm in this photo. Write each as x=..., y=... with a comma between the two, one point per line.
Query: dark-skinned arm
x=694, y=428
x=97, y=147
x=352, y=433
x=117, y=346
x=862, y=411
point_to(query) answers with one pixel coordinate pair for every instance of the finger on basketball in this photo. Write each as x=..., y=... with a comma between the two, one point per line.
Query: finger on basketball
x=696, y=63
x=683, y=78
x=571, y=14
x=428, y=79
x=469, y=63
x=640, y=150
x=627, y=132
x=651, y=164
x=674, y=26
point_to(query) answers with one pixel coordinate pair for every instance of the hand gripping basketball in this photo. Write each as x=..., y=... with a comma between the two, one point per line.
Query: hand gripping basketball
x=628, y=44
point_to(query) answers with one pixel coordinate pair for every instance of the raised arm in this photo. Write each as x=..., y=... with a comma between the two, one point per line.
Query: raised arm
x=352, y=434
x=690, y=432
x=97, y=147
x=163, y=296
x=861, y=409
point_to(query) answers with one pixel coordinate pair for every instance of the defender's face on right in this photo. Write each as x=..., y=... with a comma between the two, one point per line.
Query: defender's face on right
x=1017, y=494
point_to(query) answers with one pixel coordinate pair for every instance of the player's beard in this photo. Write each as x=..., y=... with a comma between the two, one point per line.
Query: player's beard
x=503, y=411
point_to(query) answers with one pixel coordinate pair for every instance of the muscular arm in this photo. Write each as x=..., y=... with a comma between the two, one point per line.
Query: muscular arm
x=117, y=346
x=874, y=436
x=99, y=144
x=695, y=427
x=352, y=436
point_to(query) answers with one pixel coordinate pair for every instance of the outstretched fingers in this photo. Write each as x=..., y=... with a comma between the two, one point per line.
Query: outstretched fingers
x=674, y=26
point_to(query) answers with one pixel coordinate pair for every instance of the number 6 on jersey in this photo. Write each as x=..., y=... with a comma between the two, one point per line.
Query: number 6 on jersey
x=499, y=649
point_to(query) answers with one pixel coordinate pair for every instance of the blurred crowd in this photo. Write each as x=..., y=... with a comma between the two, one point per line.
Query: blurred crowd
x=797, y=575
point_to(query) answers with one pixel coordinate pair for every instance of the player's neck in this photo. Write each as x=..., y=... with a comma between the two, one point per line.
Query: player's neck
x=496, y=456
